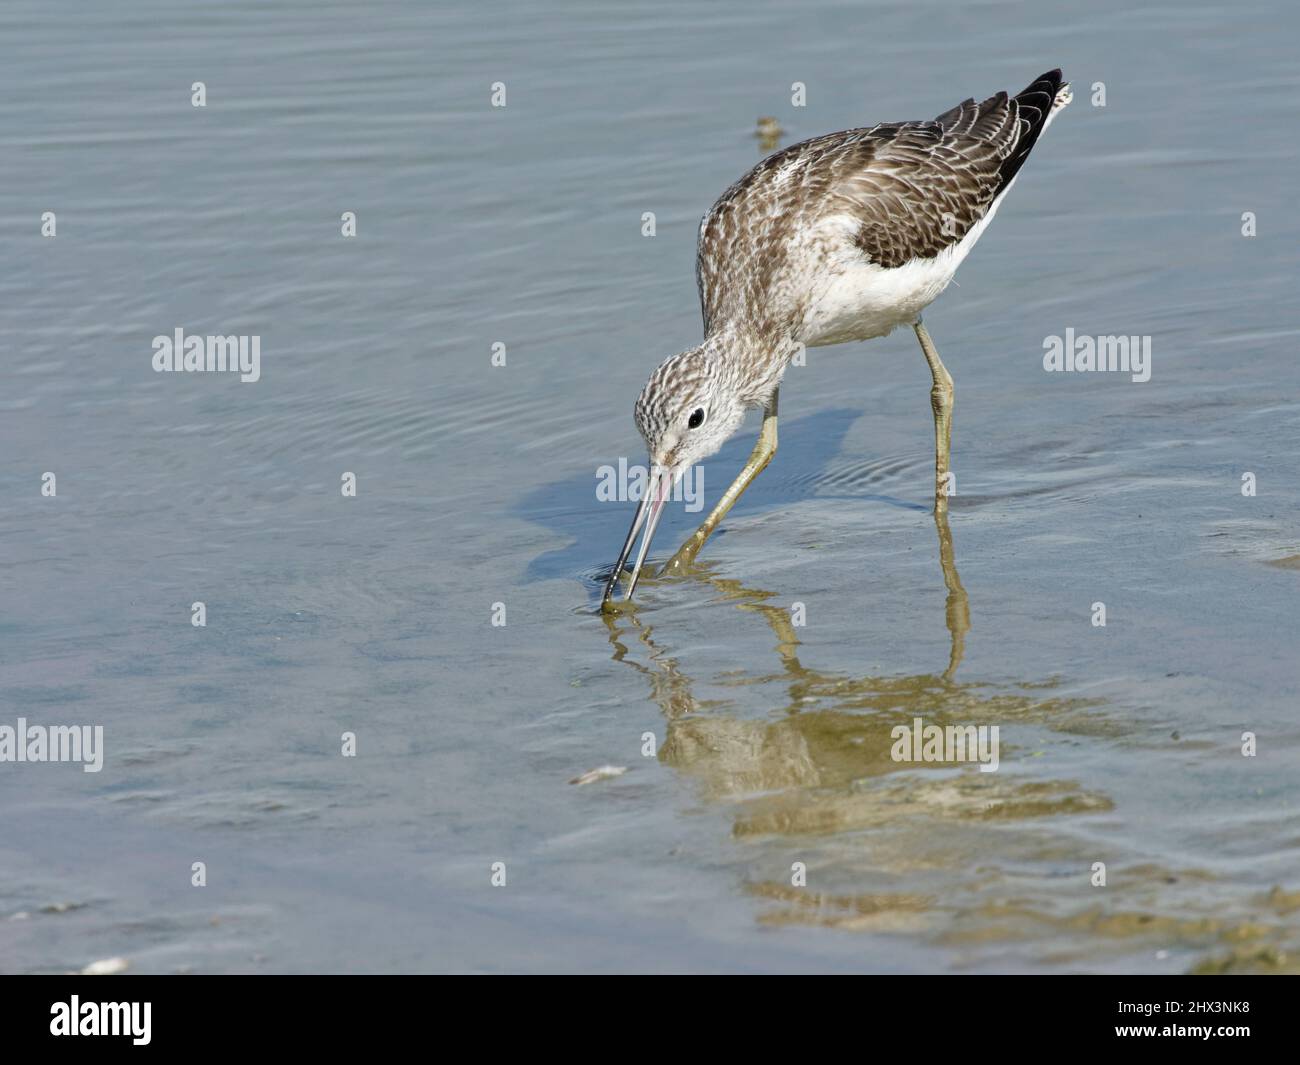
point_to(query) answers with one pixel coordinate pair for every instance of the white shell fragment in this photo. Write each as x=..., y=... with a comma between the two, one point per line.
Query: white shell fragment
x=604, y=772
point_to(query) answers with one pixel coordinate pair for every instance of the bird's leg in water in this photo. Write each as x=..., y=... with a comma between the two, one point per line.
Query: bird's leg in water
x=941, y=402
x=764, y=449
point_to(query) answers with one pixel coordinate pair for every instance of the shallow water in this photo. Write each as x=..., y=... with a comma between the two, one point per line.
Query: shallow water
x=476, y=486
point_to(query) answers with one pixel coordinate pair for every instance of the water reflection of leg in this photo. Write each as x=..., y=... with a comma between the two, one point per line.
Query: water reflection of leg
x=672, y=690
x=669, y=687
x=957, y=606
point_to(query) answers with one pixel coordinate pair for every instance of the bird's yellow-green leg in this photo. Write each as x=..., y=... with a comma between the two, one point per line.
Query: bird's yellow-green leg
x=764, y=449
x=941, y=402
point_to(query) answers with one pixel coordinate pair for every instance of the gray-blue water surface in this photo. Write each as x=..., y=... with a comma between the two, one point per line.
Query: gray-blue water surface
x=522, y=226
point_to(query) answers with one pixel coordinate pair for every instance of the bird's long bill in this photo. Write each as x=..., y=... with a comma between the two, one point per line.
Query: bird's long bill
x=651, y=505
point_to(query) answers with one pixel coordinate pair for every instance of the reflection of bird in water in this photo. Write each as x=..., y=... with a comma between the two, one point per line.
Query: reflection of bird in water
x=808, y=781
x=769, y=133
x=816, y=745
x=977, y=868
x=839, y=238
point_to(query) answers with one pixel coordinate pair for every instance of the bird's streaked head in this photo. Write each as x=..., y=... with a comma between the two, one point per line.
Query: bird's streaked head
x=686, y=412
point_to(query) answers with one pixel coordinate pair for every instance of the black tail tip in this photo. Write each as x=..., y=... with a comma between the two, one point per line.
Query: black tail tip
x=1049, y=83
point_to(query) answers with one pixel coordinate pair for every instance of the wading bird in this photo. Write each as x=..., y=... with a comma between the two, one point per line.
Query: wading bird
x=839, y=238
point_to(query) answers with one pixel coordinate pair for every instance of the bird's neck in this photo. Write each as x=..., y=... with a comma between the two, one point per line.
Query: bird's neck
x=753, y=363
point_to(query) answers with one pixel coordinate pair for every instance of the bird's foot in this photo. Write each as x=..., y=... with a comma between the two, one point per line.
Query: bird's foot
x=684, y=559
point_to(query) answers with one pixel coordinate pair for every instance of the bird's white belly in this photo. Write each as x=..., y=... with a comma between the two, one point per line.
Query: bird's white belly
x=858, y=300
x=864, y=300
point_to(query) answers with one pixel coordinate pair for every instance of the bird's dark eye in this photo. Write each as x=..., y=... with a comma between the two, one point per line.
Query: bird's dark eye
x=696, y=419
